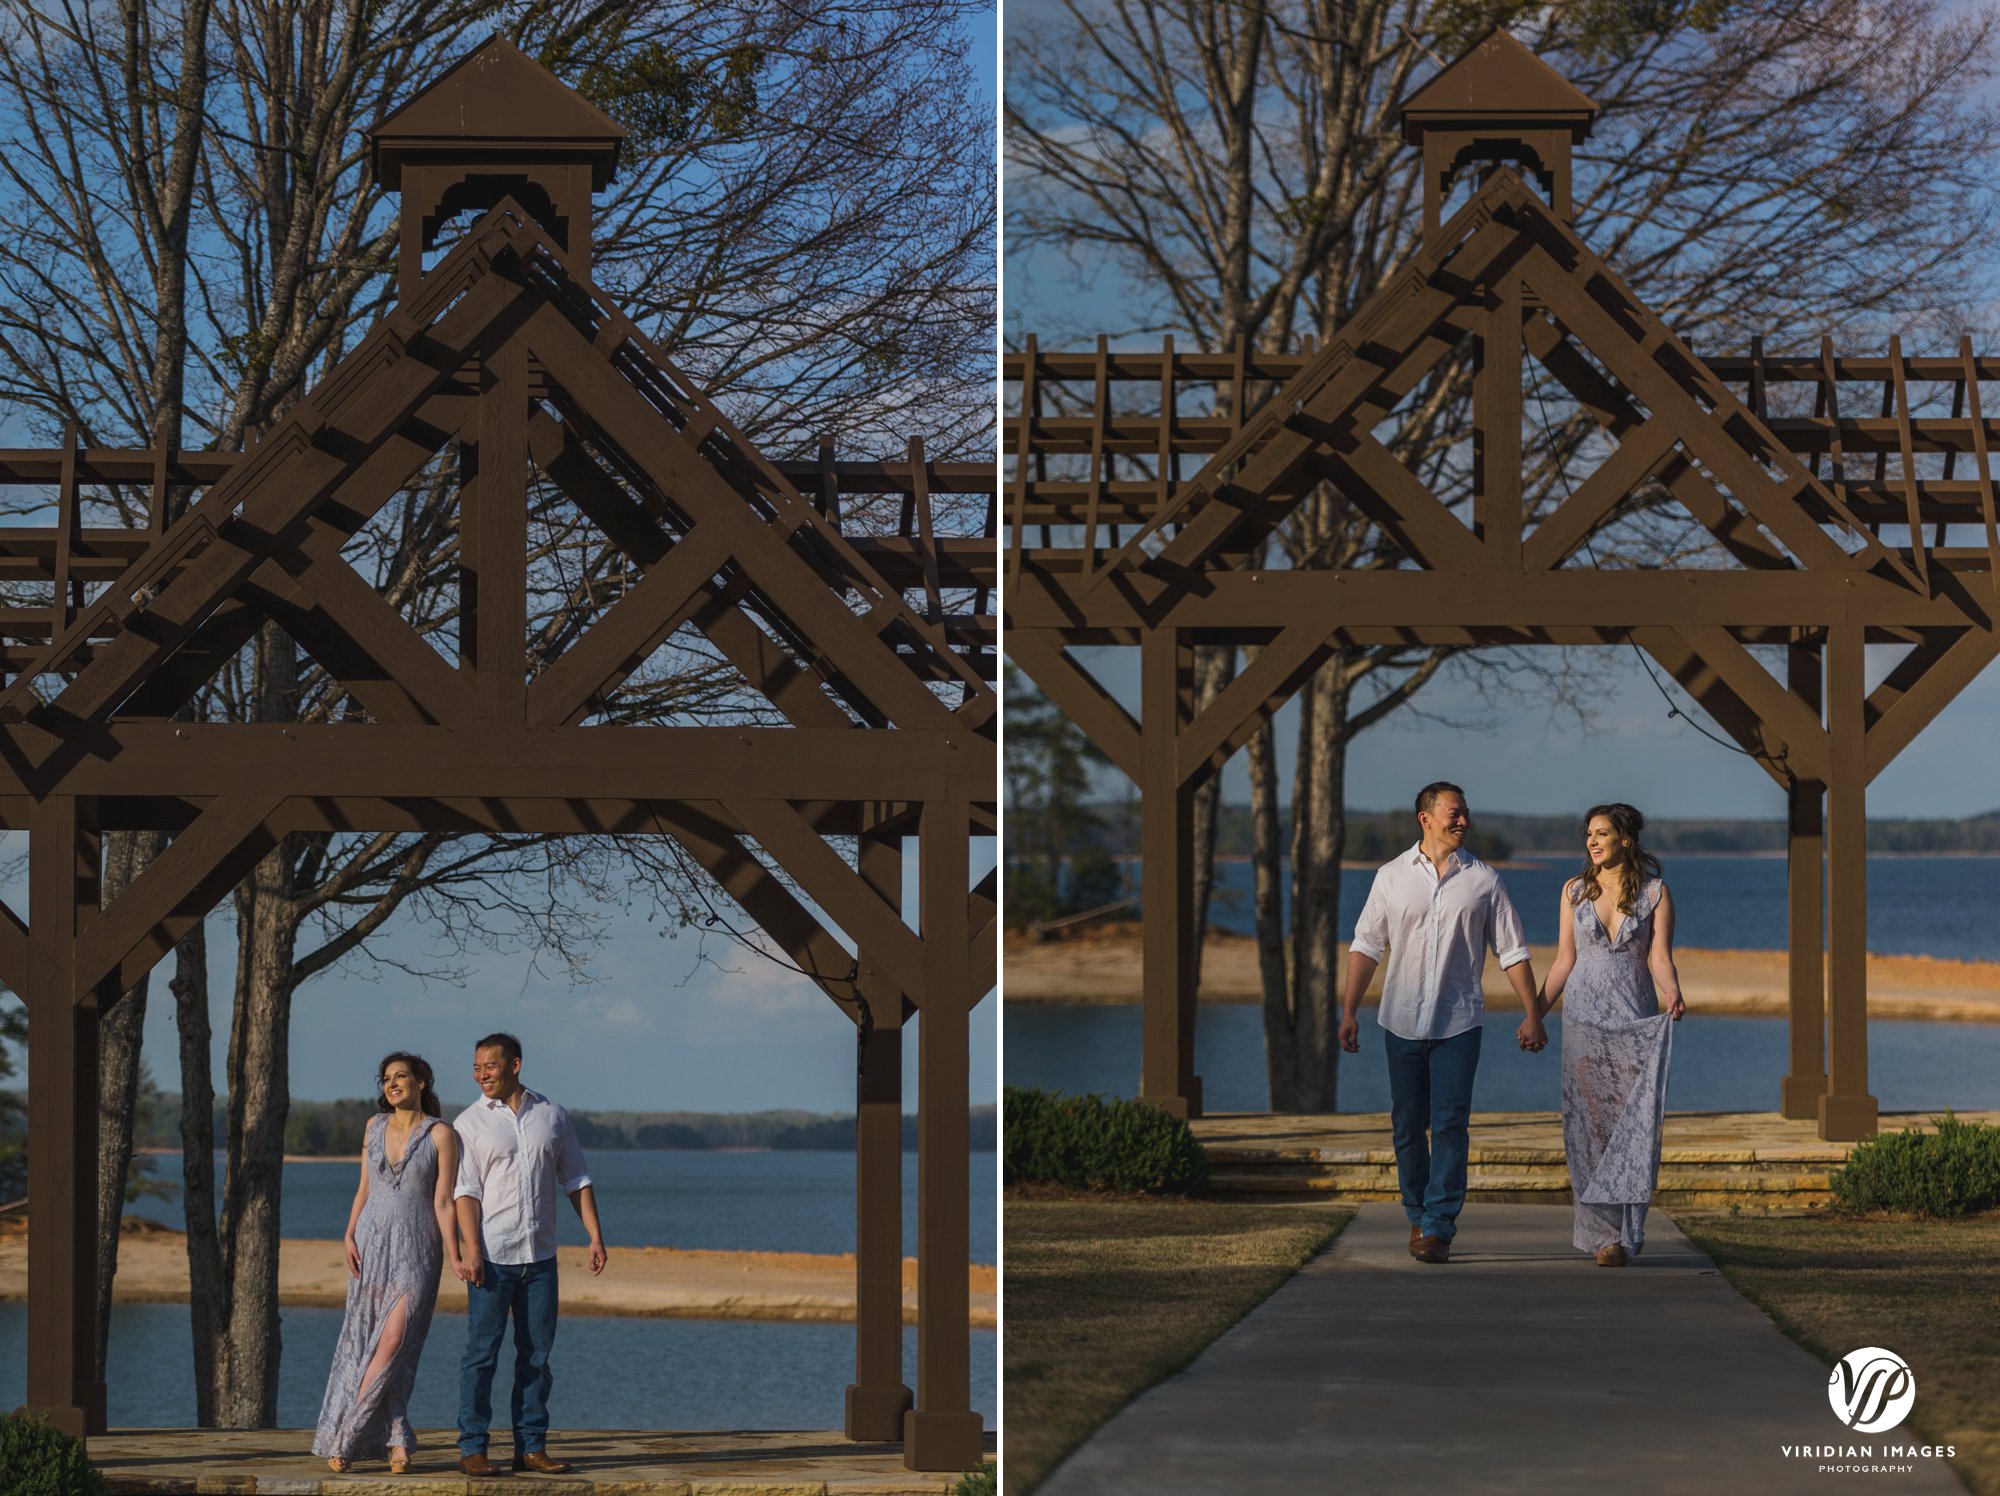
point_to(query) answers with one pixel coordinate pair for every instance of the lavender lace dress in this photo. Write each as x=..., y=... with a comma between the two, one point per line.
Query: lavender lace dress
x=1617, y=1047
x=401, y=1257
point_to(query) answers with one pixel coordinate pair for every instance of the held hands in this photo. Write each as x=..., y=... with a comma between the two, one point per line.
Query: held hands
x=1350, y=1035
x=598, y=1257
x=470, y=1269
x=1531, y=1035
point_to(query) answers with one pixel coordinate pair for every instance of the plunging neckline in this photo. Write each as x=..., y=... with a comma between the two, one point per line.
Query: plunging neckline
x=1611, y=935
x=409, y=1144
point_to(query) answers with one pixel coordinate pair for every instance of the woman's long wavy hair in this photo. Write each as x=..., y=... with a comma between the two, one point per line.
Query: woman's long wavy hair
x=1640, y=864
x=420, y=1071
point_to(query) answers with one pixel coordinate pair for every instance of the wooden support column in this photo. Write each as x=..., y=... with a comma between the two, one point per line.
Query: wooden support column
x=942, y=1432
x=1496, y=397
x=878, y=1398
x=1805, y=920
x=1847, y=1111
x=1166, y=1072
x=62, y=1125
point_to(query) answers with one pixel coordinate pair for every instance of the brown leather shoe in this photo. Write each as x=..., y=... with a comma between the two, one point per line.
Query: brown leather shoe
x=1416, y=1241
x=541, y=1464
x=1432, y=1249
x=477, y=1464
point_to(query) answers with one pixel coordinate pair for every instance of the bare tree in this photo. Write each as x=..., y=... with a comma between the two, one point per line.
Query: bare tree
x=1238, y=163
x=803, y=217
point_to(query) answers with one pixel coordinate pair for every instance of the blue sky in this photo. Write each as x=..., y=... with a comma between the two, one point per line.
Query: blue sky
x=1526, y=756
x=674, y=1021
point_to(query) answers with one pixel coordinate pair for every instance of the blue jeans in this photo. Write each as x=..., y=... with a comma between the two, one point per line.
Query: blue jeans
x=1430, y=1086
x=527, y=1290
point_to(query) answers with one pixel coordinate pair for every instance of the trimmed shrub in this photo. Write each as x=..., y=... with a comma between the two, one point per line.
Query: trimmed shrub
x=985, y=1481
x=37, y=1459
x=1952, y=1171
x=1086, y=1142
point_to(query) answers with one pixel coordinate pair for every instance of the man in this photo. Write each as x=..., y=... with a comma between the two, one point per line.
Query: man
x=518, y=1149
x=1435, y=909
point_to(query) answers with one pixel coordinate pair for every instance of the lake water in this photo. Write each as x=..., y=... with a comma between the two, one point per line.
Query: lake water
x=1917, y=906
x=1719, y=1064
x=768, y=1202
x=609, y=1373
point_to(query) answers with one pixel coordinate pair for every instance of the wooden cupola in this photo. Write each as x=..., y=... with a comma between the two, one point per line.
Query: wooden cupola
x=496, y=124
x=1499, y=102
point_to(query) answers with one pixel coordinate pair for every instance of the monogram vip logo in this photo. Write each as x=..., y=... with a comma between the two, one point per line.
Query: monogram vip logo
x=1871, y=1389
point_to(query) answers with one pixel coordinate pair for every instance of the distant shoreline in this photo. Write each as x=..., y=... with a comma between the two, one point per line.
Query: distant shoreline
x=1104, y=969
x=355, y=1158
x=640, y=1282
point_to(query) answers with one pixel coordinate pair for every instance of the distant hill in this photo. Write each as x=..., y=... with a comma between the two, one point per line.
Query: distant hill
x=333, y=1128
x=1375, y=834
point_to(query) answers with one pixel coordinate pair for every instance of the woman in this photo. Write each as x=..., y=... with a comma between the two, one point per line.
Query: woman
x=399, y=1234
x=1615, y=961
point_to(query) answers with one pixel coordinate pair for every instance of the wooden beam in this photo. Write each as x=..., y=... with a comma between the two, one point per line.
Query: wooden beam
x=496, y=555
x=1266, y=682
x=589, y=671
x=838, y=890
x=175, y=892
x=1080, y=696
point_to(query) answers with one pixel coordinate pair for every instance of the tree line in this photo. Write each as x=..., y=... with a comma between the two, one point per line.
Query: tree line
x=332, y=1129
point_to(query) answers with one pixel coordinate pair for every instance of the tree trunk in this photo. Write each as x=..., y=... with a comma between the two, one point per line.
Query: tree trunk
x=1319, y=835
x=1214, y=668
x=245, y=1368
x=1267, y=862
x=126, y=855
x=208, y=1304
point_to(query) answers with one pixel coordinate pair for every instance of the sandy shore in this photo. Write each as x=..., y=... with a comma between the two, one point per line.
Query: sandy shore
x=1103, y=967
x=656, y=1282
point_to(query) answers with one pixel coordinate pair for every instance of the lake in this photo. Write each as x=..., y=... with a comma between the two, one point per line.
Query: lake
x=1720, y=1064
x=1917, y=906
x=767, y=1202
x=609, y=1373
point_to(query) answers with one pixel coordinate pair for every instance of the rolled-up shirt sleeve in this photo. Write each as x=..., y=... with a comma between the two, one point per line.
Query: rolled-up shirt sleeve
x=571, y=1175
x=468, y=1186
x=1510, y=942
x=1371, y=930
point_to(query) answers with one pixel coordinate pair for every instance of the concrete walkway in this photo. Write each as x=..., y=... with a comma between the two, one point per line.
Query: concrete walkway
x=1520, y=1366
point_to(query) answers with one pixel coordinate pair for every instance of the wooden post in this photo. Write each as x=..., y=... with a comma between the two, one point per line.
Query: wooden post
x=1847, y=1111
x=62, y=1126
x=1496, y=394
x=1166, y=1074
x=878, y=1397
x=1805, y=924
x=942, y=1432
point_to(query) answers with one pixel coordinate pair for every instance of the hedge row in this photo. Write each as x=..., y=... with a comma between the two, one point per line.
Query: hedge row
x=1086, y=1142
x=1951, y=1171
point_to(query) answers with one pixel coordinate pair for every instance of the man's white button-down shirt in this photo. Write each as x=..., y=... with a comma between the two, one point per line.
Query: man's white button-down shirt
x=1436, y=930
x=516, y=1164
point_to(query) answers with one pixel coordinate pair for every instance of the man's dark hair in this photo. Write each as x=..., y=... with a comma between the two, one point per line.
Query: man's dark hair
x=507, y=1044
x=1427, y=796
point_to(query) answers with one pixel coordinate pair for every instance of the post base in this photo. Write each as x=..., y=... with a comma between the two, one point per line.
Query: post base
x=1798, y=1096
x=875, y=1414
x=1847, y=1119
x=943, y=1441
x=72, y=1421
x=1187, y=1107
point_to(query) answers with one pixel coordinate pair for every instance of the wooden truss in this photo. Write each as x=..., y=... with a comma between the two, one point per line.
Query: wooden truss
x=1132, y=516
x=875, y=724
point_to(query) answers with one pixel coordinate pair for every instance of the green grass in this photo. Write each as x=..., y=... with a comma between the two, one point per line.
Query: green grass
x=1107, y=1296
x=1927, y=1289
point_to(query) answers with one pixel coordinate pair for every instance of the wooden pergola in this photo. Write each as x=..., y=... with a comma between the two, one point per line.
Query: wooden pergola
x=505, y=355
x=1133, y=520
